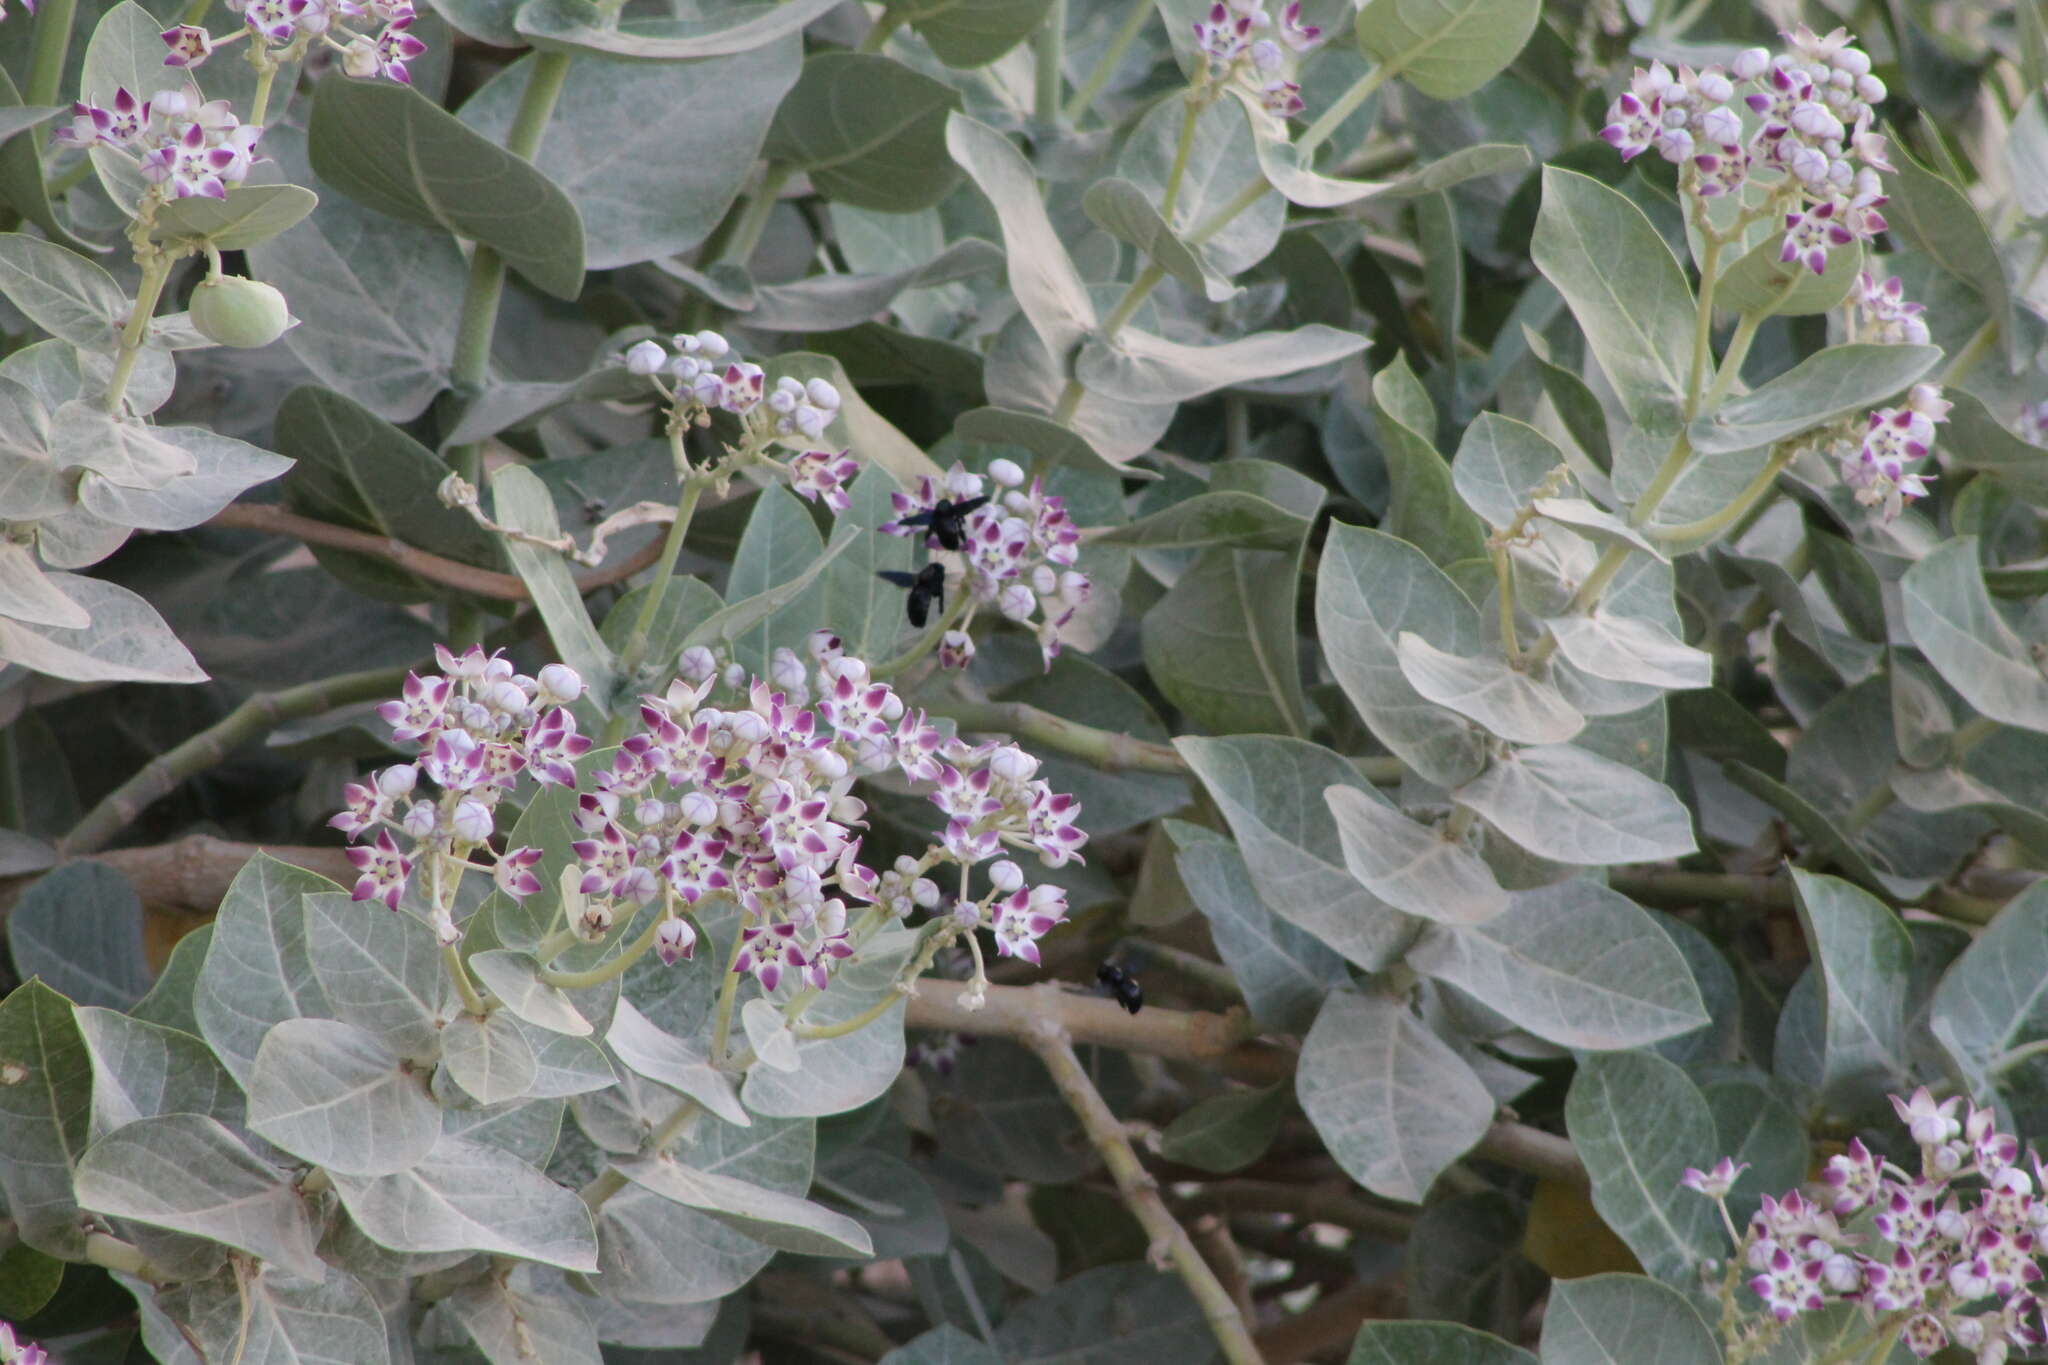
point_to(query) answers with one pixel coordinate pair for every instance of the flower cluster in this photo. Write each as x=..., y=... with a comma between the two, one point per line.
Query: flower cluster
x=703, y=375
x=754, y=801
x=1894, y=439
x=1809, y=140
x=180, y=145
x=1017, y=549
x=1883, y=316
x=1957, y=1260
x=477, y=727
x=1241, y=42
x=12, y=1350
x=288, y=27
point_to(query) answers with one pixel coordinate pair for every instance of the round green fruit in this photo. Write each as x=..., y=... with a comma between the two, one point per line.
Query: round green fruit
x=237, y=312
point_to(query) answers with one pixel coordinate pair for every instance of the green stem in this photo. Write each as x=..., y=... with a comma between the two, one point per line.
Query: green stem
x=156, y=268
x=1504, y=578
x=259, y=714
x=1191, y=114
x=728, y=993
x=49, y=49
x=558, y=941
x=1347, y=103
x=635, y=651
x=2006, y=1061
x=611, y=967
x=889, y=668
x=451, y=959
x=1975, y=349
x=888, y=23
x=1221, y=218
x=1703, y=324
x=1707, y=527
x=753, y=219
x=1112, y=57
x=1049, y=48
x=854, y=1025
x=13, y=802
x=266, y=74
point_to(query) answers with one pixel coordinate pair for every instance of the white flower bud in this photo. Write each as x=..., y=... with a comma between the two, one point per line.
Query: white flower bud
x=1005, y=876
x=749, y=728
x=170, y=104
x=1044, y=580
x=420, y=819
x=829, y=764
x=924, y=893
x=849, y=810
x=698, y=808
x=1715, y=87
x=786, y=671
x=559, y=685
x=1750, y=64
x=735, y=676
x=1006, y=472
x=1016, y=602
x=710, y=345
x=359, y=58
x=1853, y=60
x=1012, y=764
x=822, y=394
x=1075, y=588
x=697, y=664
x=846, y=666
x=397, y=781
x=1870, y=89
x=650, y=812
x=472, y=821
x=645, y=357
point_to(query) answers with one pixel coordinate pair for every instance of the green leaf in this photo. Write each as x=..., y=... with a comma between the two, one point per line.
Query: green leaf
x=1928, y=212
x=1758, y=282
x=1226, y=1132
x=969, y=33
x=579, y=26
x=1122, y=210
x=702, y=123
x=1630, y=649
x=1624, y=287
x=469, y=1197
x=873, y=439
x=869, y=131
x=510, y=1327
x=359, y=471
x=1369, y=588
x=943, y=1345
x=222, y=469
x=381, y=971
x=1424, y=509
x=523, y=503
x=1977, y=440
x=1042, y=276
x=126, y=642
x=1222, y=164
x=1864, y=955
x=48, y=1116
x=1409, y=865
x=289, y=1320
x=1993, y=1002
x=32, y=482
x=664, y=1058
x=780, y=543
x=1638, y=1122
x=515, y=979
x=2026, y=151
x=834, y=1075
x=251, y=214
x=1271, y=791
x=489, y=1058
x=1573, y=963
x=23, y=186
x=257, y=972
x=134, y=454
x=1077, y=689
x=1431, y=1343
x=837, y=302
x=1612, y=1319
x=1500, y=466
x=337, y=1096
x=188, y=1173
x=141, y=1070
x=1567, y=803
x=1822, y=387
x=1488, y=689
x=1139, y=367
x=863, y=608
x=390, y=148
x=1950, y=615
x=1109, y=1314
x=1044, y=438
x=80, y=929
x=61, y=292
x=782, y=1221
x=1239, y=520
x=1222, y=645
x=1281, y=164
x=1391, y=1100
x=1446, y=48
x=1754, y=1126
x=1285, y=971
x=29, y=1280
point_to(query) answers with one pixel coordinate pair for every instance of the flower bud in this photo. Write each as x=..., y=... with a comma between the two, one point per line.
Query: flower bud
x=1870, y=89
x=787, y=671
x=559, y=685
x=924, y=893
x=397, y=781
x=822, y=394
x=697, y=664
x=710, y=344
x=824, y=646
x=359, y=59
x=1853, y=60
x=650, y=812
x=420, y=819
x=1006, y=472
x=698, y=808
x=1016, y=602
x=472, y=821
x=1005, y=876
x=241, y=313
x=735, y=676
x=645, y=357
x=1012, y=764
x=1749, y=64
x=675, y=940
x=1715, y=87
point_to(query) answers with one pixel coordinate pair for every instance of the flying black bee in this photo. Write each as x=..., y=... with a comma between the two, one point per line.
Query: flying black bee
x=947, y=521
x=927, y=586
x=1122, y=985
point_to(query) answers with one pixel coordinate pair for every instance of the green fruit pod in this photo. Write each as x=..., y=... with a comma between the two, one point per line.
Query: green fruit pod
x=237, y=312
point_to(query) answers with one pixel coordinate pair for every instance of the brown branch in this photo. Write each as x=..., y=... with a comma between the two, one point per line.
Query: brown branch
x=193, y=873
x=1331, y=1320
x=1170, y=1241
x=504, y=587
x=1333, y=1204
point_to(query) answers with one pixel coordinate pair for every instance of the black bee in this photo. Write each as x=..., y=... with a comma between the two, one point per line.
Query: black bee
x=927, y=586
x=947, y=521
x=1122, y=985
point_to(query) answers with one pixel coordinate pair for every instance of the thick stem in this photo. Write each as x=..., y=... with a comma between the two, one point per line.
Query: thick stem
x=1693, y=531
x=635, y=651
x=259, y=714
x=753, y=219
x=889, y=21
x=1504, y=580
x=1347, y=104
x=1109, y=750
x=1049, y=49
x=1141, y=1193
x=49, y=49
x=1112, y=57
x=1703, y=324
x=728, y=993
x=156, y=268
x=611, y=967
x=1975, y=349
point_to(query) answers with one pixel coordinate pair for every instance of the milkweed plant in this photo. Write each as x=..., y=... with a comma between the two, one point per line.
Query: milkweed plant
x=1006, y=681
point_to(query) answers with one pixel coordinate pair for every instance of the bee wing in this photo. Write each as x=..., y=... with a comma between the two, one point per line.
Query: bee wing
x=898, y=577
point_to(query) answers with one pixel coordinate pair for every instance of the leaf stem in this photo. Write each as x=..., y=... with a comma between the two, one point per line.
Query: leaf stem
x=1049, y=48
x=753, y=219
x=635, y=651
x=1141, y=1192
x=1975, y=349
x=1504, y=577
x=1703, y=324
x=1707, y=527
x=877, y=35
x=156, y=268
x=258, y=714
x=611, y=967
x=812, y=1032
x=49, y=49
x=1105, y=67
x=1334, y=116
x=728, y=993
x=1191, y=114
